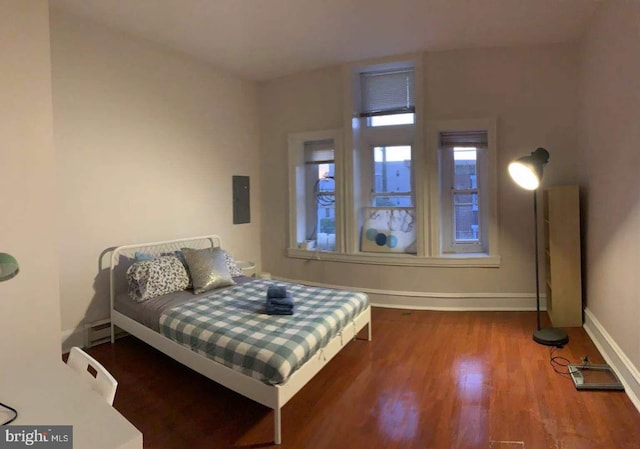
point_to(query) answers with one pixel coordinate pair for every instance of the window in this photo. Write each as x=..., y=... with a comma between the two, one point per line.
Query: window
x=320, y=194
x=465, y=195
x=384, y=155
x=324, y=203
x=433, y=183
x=392, y=176
x=463, y=199
x=313, y=184
x=391, y=120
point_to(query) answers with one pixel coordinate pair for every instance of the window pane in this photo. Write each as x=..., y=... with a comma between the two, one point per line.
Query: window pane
x=326, y=208
x=465, y=168
x=392, y=171
x=465, y=216
x=392, y=201
x=388, y=120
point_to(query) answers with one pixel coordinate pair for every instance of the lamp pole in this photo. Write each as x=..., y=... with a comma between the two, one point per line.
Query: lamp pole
x=535, y=227
x=549, y=336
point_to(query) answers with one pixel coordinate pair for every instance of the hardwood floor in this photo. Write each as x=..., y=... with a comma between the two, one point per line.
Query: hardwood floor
x=427, y=380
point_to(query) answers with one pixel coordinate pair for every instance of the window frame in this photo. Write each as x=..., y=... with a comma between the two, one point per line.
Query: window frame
x=298, y=185
x=487, y=183
x=447, y=200
x=363, y=177
x=311, y=195
x=410, y=193
x=360, y=138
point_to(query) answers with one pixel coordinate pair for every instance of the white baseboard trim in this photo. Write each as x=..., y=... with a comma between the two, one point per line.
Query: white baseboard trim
x=441, y=301
x=614, y=356
x=71, y=338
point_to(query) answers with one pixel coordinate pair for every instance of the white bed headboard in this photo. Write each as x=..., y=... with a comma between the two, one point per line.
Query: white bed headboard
x=124, y=256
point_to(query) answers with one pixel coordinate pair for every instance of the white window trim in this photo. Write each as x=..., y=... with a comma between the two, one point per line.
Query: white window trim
x=434, y=128
x=450, y=260
x=447, y=197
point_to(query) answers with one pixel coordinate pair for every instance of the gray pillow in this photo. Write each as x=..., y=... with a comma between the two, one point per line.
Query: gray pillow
x=208, y=269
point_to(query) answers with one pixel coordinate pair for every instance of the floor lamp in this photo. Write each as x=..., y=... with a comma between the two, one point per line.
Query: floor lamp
x=527, y=173
x=8, y=269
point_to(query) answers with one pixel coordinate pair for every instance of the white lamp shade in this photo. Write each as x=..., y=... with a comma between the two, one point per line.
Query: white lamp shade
x=524, y=175
x=527, y=171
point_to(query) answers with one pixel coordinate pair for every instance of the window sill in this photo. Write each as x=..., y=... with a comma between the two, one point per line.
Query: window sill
x=448, y=260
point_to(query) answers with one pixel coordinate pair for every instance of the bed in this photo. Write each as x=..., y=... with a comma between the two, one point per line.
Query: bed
x=265, y=367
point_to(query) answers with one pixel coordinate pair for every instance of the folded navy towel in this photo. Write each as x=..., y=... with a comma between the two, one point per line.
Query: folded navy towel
x=276, y=291
x=278, y=310
x=287, y=301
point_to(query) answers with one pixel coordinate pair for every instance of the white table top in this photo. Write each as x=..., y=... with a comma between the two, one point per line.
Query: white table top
x=51, y=394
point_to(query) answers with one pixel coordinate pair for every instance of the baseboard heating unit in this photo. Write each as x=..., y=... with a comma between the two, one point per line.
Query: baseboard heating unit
x=99, y=332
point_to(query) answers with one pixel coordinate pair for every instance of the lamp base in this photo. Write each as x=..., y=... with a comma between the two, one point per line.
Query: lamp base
x=550, y=336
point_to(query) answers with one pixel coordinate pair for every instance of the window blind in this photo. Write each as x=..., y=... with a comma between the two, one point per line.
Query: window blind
x=319, y=151
x=455, y=138
x=385, y=93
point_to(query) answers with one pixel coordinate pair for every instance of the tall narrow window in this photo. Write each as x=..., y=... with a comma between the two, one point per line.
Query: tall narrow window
x=465, y=195
x=462, y=195
x=314, y=191
x=321, y=194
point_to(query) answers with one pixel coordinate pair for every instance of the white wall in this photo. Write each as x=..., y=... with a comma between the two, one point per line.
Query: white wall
x=532, y=91
x=147, y=142
x=610, y=117
x=29, y=303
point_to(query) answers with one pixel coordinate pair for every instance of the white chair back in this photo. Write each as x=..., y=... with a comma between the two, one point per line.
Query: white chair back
x=102, y=382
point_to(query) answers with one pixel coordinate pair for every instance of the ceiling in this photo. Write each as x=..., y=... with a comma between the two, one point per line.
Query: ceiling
x=265, y=39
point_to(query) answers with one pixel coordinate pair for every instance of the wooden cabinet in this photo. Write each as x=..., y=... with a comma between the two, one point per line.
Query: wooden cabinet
x=562, y=255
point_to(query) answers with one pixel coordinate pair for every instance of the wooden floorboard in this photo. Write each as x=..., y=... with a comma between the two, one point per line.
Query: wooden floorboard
x=427, y=380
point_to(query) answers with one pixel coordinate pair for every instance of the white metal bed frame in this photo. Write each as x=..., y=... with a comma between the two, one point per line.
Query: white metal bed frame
x=272, y=396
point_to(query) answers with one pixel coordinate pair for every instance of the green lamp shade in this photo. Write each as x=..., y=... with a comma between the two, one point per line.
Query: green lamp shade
x=8, y=267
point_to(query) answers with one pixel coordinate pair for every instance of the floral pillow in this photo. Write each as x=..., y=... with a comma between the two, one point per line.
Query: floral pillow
x=141, y=257
x=234, y=269
x=156, y=277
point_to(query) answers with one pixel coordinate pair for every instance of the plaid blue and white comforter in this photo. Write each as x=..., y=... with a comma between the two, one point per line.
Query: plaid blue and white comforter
x=231, y=327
